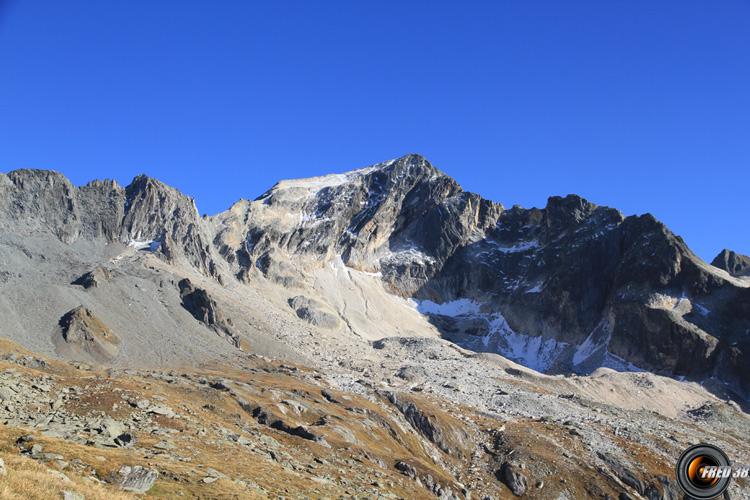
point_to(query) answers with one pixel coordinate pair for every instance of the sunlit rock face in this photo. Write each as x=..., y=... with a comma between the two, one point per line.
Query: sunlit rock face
x=564, y=288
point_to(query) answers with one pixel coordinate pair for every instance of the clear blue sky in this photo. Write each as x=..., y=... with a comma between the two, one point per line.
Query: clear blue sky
x=642, y=105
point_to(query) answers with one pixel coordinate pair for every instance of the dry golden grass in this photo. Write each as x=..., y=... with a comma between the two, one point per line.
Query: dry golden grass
x=366, y=438
x=216, y=409
x=27, y=479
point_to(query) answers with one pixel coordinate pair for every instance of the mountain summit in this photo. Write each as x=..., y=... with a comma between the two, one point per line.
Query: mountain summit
x=381, y=331
x=566, y=288
x=734, y=263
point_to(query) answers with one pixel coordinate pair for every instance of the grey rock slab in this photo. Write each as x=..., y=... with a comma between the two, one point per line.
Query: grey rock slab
x=162, y=410
x=137, y=479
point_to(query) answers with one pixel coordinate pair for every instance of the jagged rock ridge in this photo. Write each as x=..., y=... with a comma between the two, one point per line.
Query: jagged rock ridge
x=567, y=287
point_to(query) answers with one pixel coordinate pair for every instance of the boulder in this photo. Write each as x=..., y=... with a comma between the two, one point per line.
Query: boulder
x=163, y=410
x=406, y=469
x=513, y=478
x=313, y=312
x=136, y=479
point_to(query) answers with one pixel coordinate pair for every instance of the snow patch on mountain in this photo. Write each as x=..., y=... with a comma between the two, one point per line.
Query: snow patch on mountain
x=149, y=245
x=534, y=352
x=454, y=308
x=519, y=247
x=311, y=186
x=407, y=255
x=589, y=347
x=702, y=310
x=536, y=288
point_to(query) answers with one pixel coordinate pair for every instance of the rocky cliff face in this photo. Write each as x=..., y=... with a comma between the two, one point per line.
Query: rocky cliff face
x=402, y=218
x=568, y=287
x=146, y=212
x=605, y=288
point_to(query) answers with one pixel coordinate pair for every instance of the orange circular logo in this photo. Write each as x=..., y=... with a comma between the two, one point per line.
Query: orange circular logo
x=703, y=471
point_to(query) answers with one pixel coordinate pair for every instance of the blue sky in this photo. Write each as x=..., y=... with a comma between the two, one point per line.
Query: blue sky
x=640, y=105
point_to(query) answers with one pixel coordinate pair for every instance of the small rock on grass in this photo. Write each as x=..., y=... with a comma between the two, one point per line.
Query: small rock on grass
x=406, y=469
x=212, y=475
x=59, y=475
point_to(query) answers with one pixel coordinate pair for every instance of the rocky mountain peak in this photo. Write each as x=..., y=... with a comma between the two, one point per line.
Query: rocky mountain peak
x=571, y=209
x=410, y=319
x=103, y=184
x=414, y=166
x=554, y=277
x=26, y=178
x=152, y=192
x=154, y=210
x=734, y=263
x=40, y=199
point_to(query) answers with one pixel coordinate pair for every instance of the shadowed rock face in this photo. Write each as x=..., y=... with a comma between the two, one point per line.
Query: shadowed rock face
x=203, y=307
x=734, y=263
x=403, y=218
x=574, y=271
x=594, y=283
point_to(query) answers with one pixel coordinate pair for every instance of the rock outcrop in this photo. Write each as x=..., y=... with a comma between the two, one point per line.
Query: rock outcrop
x=440, y=429
x=85, y=336
x=203, y=307
x=136, y=479
x=93, y=279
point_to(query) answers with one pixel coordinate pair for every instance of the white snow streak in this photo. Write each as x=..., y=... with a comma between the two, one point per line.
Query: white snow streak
x=458, y=307
x=519, y=247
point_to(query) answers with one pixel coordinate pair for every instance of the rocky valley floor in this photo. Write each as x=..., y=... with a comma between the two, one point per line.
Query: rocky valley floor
x=429, y=427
